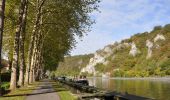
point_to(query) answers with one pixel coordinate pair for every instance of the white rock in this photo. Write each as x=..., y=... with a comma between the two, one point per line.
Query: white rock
x=91, y=60
x=90, y=69
x=126, y=44
x=92, y=63
x=149, y=45
x=108, y=50
x=134, y=50
x=157, y=45
x=100, y=57
x=159, y=37
x=123, y=45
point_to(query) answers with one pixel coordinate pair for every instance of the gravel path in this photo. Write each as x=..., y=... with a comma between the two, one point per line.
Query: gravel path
x=45, y=91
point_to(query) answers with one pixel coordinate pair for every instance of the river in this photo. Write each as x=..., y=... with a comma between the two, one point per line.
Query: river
x=158, y=88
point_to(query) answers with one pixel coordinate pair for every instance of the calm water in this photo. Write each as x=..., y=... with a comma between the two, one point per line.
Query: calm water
x=153, y=88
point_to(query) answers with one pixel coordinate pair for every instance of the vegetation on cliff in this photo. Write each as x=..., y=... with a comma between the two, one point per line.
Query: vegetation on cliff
x=143, y=55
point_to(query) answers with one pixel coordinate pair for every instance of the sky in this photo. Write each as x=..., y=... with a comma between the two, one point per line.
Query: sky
x=120, y=19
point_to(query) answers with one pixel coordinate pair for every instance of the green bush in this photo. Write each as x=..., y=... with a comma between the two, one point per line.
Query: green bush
x=5, y=85
x=118, y=73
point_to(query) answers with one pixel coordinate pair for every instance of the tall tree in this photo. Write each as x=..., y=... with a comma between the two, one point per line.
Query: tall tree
x=2, y=16
x=31, y=55
x=22, y=47
x=15, y=64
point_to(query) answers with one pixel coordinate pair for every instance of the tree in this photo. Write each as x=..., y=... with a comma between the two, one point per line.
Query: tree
x=2, y=16
x=52, y=23
x=22, y=47
x=16, y=46
x=33, y=42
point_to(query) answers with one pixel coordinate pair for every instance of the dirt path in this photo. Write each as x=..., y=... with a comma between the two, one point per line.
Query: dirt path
x=45, y=91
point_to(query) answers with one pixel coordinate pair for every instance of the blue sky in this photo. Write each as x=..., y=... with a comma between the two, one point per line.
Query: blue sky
x=120, y=19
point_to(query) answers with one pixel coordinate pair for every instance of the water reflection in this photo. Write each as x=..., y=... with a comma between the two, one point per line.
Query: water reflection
x=153, y=88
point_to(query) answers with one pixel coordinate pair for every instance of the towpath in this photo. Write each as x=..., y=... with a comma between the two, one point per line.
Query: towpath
x=44, y=91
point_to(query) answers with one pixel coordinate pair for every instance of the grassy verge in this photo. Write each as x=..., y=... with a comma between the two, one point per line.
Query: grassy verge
x=20, y=93
x=63, y=93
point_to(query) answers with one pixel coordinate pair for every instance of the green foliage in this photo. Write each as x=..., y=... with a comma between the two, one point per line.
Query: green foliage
x=5, y=85
x=63, y=93
x=118, y=73
x=21, y=91
x=121, y=64
x=71, y=18
x=167, y=28
x=73, y=64
x=139, y=66
x=100, y=67
x=165, y=66
x=157, y=28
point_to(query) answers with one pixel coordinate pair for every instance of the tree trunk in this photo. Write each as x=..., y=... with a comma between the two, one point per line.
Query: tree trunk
x=22, y=48
x=33, y=60
x=31, y=68
x=13, y=83
x=2, y=10
x=33, y=39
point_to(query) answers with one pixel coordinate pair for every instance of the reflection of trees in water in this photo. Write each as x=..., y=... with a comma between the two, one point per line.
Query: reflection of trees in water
x=147, y=88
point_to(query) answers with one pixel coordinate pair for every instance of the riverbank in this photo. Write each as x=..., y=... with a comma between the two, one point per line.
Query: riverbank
x=20, y=93
x=63, y=93
x=142, y=78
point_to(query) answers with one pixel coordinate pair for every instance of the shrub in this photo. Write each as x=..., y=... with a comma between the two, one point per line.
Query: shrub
x=5, y=85
x=118, y=73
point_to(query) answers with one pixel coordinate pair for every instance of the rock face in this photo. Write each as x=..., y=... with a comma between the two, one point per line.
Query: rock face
x=101, y=57
x=108, y=50
x=134, y=50
x=149, y=45
x=122, y=45
x=89, y=68
x=93, y=61
x=109, y=53
x=140, y=55
x=159, y=37
x=98, y=58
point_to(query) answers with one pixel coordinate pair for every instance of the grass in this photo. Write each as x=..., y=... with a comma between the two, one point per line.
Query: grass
x=20, y=93
x=63, y=93
x=5, y=85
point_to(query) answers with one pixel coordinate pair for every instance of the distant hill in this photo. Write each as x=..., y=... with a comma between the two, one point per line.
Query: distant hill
x=142, y=55
x=72, y=65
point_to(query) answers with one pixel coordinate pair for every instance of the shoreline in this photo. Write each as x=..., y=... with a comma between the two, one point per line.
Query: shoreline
x=132, y=78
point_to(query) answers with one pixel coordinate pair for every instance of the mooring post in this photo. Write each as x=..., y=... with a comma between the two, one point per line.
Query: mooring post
x=109, y=97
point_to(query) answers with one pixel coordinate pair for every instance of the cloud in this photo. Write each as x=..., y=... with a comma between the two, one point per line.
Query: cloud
x=121, y=19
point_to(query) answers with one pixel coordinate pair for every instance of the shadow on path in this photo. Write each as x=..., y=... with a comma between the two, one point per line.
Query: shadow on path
x=32, y=93
x=45, y=91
